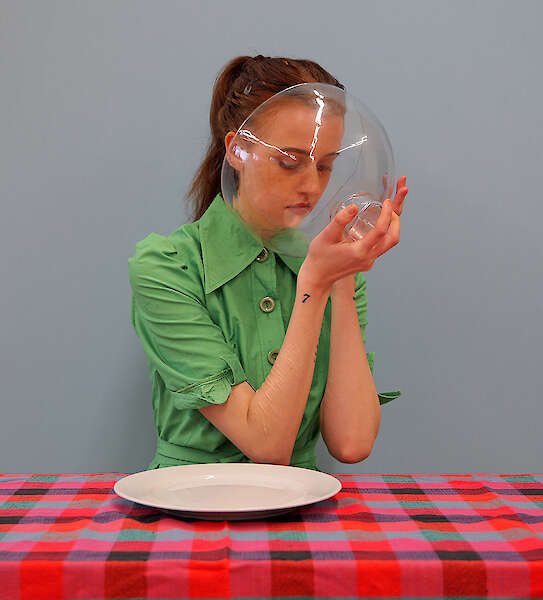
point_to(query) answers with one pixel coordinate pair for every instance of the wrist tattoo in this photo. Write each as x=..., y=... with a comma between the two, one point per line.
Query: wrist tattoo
x=306, y=296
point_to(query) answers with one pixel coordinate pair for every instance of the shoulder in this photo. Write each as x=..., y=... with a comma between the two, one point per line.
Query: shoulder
x=182, y=241
x=155, y=250
x=174, y=260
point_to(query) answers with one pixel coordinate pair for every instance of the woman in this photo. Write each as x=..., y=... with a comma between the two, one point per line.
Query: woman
x=252, y=353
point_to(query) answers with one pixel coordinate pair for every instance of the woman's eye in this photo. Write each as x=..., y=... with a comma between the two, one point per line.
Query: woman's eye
x=289, y=165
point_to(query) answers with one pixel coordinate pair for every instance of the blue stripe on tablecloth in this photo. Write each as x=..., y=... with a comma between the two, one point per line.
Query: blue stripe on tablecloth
x=53, y=504
x=443, y=478
x=392, y=492
x=433, y=491
x=340, y=536
x=400, y=490
x=274, y=555
x=442, y=504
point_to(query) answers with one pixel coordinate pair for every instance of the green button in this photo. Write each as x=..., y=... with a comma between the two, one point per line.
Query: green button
x=272, y=355
x=263, y=256
x=267, y=304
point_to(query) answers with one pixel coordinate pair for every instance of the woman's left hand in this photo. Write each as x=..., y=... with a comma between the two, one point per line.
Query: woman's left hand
x=348, y=283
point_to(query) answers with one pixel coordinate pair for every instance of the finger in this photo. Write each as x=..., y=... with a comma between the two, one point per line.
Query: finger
x=385, y=187
x=383, y=222
x=335, y=229
x=399, y=199
x=391, y=239
x=381, y=226
x=404, y=191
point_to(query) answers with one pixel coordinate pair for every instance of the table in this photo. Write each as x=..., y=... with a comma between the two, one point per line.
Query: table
x=387, y=536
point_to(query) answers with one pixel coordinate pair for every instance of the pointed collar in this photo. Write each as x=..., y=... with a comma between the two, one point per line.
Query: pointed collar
x=228, y=247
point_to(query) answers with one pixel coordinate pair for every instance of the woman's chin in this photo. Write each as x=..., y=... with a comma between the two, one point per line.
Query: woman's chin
x=289, y=221
x=294, y=221
x=294, y=215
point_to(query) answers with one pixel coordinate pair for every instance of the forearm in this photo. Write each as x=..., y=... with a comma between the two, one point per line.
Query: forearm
x=350, y=410
x=276, y=409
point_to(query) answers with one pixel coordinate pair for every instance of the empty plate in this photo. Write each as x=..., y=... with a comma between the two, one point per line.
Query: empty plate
x=227, y=491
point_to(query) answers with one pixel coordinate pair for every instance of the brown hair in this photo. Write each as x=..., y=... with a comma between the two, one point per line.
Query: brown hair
x=243, y=84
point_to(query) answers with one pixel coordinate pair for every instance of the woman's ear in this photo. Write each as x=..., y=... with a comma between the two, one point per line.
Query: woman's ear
x=235, y=155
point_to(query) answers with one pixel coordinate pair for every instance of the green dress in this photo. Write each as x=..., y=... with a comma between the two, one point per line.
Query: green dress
x=211, y=307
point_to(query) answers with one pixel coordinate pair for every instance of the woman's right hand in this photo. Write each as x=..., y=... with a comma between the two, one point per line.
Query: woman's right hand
x=331, y=256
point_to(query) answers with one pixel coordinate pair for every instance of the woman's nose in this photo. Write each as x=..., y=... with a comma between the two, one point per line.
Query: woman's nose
x=310, y=180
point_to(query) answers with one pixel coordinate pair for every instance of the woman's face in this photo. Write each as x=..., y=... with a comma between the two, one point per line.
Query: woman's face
x=284, y=165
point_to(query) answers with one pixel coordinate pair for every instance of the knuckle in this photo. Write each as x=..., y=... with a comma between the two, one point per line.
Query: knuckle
x=362, y=253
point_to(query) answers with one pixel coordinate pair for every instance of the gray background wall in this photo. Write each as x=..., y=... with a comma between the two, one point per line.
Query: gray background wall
x=103, y=120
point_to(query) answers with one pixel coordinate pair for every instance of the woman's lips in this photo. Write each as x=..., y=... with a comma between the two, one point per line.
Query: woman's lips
x=299, y=209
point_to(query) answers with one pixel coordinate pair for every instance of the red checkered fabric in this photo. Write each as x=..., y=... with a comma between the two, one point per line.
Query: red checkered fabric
x=386, y=536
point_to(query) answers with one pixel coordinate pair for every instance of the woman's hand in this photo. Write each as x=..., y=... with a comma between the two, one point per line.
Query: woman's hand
x=331, y=257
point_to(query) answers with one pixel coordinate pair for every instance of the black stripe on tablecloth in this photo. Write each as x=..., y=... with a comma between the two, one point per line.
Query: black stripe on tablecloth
x=360, y=517
x=55, y=491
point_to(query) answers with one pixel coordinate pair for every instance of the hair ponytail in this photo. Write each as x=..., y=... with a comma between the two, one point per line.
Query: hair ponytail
x=242, y=85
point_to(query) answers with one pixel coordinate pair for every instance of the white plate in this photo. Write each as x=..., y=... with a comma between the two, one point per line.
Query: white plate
x=232, y=491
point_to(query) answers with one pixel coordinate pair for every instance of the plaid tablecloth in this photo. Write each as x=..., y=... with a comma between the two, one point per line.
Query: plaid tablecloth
x=386, y=536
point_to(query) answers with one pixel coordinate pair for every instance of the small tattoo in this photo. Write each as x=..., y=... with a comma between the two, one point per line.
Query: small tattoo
x=306, y=296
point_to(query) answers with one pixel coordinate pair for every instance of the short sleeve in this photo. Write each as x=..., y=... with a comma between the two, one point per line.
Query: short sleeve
x=362, y=309
x=184, y=347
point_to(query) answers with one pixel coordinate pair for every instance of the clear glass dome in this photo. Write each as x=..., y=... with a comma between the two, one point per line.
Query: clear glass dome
x=300, y=157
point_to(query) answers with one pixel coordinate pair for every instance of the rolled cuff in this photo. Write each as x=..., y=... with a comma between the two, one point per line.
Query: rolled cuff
x=385, y=397
x=212, y=390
